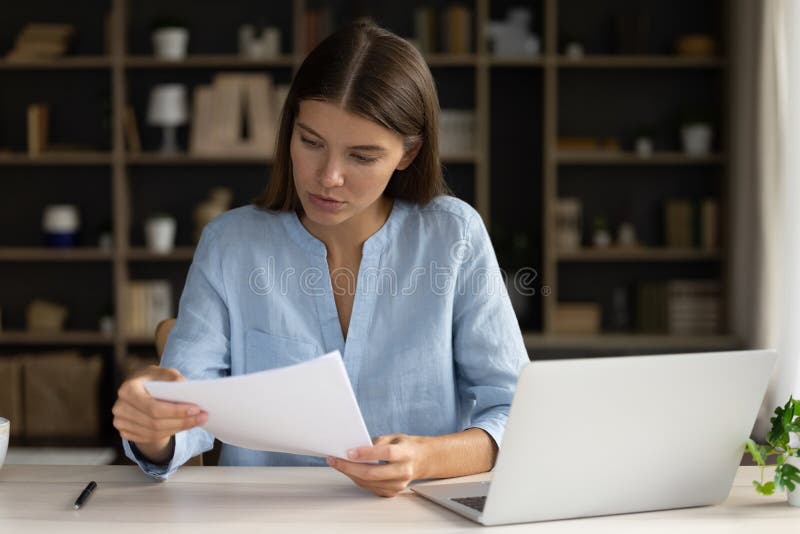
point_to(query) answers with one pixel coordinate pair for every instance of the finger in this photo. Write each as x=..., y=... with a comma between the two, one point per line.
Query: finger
x=389, y=451
x=372, y=472
x=134, y=392
x=128, y=411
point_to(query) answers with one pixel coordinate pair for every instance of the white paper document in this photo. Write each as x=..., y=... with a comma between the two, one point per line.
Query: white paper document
x=308, y=408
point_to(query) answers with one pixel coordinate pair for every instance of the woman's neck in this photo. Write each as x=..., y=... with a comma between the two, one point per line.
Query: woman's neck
x=348, y=237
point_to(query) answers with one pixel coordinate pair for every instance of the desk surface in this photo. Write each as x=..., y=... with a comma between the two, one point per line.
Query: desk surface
x=226, y=500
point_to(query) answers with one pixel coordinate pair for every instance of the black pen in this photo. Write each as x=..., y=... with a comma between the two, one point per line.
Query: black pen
x=84, y=496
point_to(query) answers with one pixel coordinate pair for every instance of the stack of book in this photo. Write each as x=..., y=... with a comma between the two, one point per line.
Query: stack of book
x=41, y=42
x=149, y=302
x=679, y=307
x=237, y=115
x=691, y=224
x=449, y=32
x=693, y=307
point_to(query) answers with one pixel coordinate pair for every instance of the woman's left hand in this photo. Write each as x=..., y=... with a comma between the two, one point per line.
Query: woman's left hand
x=403, y=456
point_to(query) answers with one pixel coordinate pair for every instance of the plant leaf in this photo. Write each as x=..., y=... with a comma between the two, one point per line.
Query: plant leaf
x=786, y=476
x=758, y=452
x=764, y=489
x=777, y=436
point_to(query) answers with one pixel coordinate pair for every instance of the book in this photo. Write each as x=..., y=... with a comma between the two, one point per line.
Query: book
x=237, y=116
x=201, y=139
x=710, y=224
x=149, y=302
x=457, y=31
x=131, y=131
x=582, y=318
x=38, y=126
x=678, y=223
x=425, y=29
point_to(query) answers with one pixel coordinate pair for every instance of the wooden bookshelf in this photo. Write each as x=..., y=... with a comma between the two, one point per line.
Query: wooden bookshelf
x=64, y=63
x=628, y=342
x=210, y=62
x=66, y=338
x=598, y=157
x=41, y=254
x=638, y=62
x=55, y=159
x=639, y=254
x=490, y=175
x=178, y=254
x=186, y=159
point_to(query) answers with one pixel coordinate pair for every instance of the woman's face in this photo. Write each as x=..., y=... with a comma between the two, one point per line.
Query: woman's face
x=342, y=162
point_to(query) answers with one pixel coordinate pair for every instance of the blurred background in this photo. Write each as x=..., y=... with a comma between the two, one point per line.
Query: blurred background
x=630, y=159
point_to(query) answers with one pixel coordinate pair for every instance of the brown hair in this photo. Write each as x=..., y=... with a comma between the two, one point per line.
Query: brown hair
x=373, y=73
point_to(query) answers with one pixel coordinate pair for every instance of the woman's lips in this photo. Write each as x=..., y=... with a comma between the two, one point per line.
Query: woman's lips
x=325, y=204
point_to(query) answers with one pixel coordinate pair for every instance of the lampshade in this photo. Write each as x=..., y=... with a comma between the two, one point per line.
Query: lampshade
x=167, y=105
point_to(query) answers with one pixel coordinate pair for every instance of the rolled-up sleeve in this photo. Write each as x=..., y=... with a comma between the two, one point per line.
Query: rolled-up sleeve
x=487, y=343
x=198, y=345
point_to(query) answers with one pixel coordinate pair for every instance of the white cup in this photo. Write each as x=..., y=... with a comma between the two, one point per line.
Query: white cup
x=171, y=43
x=159, y=234
x=5, y=432
x=697, y=139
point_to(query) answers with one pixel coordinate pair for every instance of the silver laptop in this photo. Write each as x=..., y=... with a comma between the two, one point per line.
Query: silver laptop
x=603, y=436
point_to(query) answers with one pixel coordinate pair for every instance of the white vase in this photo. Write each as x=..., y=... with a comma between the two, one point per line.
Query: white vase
x=794, y=496
x=696, y=139
x=170, y=43
x=159, y=234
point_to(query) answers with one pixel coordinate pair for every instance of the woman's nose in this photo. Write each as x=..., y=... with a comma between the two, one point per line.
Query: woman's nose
x=331, y=173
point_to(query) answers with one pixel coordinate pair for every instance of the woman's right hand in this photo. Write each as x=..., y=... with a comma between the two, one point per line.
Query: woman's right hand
x=151, y=423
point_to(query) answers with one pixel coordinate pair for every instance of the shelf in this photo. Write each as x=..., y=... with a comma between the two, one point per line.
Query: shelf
x=597, y=157
x=141, y=339
x=54, y=254
x=451, y=60
x=211, y=61
x=517, y=62
x=638, y=62
x=639, y=254
x=55, y=158
x=177, y=254
x=75, y=337
x=648, y=342
x=459, y=158
x=63, y=63
x=154, y=158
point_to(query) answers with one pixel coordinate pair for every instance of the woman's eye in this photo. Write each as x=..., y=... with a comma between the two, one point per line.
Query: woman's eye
x=309, y=142
x=364, y=159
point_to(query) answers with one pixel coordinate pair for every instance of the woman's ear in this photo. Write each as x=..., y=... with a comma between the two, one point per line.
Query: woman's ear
x=409, y=156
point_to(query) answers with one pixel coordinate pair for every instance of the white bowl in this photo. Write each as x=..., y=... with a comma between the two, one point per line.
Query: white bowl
x=5, y=431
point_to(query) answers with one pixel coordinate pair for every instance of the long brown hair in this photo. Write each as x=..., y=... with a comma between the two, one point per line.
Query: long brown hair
x=371, y=72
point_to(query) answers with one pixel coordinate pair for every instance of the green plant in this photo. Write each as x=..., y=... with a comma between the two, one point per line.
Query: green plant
x=785, y=422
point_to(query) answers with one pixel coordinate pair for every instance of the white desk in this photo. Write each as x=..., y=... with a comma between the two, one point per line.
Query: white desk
x=226, y=500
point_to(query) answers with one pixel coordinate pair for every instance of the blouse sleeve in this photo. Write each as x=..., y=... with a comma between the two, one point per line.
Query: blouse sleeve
x=487, y=343
x=198, y=345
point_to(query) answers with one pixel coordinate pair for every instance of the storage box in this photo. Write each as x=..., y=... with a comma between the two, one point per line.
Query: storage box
x=577, y=318
x=11, y=393
x=61, y=395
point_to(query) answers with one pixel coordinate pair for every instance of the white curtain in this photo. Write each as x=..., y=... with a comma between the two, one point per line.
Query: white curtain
x=765, y=192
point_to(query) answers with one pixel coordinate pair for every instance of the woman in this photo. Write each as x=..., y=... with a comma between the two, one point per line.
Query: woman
x=353, y=246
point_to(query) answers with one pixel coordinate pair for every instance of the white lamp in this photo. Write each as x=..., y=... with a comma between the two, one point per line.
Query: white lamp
x=168, y=109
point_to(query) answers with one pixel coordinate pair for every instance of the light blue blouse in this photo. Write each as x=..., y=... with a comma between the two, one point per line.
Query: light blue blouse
x=433, y=345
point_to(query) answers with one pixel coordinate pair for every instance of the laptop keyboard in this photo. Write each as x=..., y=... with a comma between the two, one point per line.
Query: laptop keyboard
x=473, y=502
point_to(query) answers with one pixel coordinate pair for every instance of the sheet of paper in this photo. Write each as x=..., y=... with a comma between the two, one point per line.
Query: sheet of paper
x=308, y=408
